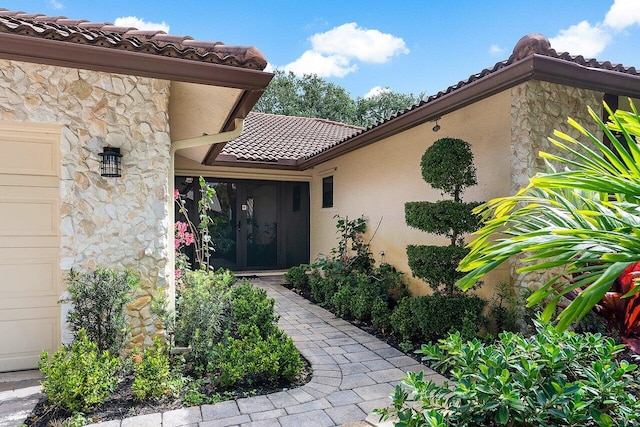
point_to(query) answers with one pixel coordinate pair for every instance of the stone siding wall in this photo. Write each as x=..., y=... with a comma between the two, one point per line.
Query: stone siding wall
x=105, y=222
x=537, y=109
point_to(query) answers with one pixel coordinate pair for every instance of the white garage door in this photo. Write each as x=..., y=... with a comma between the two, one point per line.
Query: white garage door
x=29, y=243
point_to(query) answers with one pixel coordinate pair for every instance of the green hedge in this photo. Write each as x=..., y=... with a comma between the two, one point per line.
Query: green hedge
x=429, y=318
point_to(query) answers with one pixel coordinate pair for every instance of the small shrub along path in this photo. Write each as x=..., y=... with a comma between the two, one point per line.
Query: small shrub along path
x=353, y=373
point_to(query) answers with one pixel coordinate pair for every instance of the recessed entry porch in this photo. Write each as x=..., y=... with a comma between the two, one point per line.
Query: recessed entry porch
x=256, y=225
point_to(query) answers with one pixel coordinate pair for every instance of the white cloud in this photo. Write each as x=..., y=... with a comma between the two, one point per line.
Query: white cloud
x=376, y=91
x=350, y=41
x=582, y=39
x=141, y=24
x=270, y=68
x=590, y=40
x=334, y=52
x=495, y=50
x=56, y=4
x=623, y=14
x=312, y=62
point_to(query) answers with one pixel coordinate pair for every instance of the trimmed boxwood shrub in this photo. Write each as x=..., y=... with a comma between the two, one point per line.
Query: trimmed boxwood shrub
x=381, y=315
x=79, y=377
x=253, y=358
x=297, y=276
x=251, y=307
x=429, y=318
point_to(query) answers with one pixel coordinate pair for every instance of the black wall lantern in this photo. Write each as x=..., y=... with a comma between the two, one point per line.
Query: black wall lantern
x=111, y=162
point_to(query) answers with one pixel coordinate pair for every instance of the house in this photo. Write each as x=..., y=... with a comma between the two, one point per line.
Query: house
x=505, y=112
x=68, y=89
x=71, y=90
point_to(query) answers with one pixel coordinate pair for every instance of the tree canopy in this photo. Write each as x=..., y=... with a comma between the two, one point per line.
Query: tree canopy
x=312, y=96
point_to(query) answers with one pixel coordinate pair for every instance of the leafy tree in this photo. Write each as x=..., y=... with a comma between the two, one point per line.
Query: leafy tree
x=308, y=96
x=377, y=108
x=312, y=96
x=326, y=100
x=582, y=224
x=282, y=96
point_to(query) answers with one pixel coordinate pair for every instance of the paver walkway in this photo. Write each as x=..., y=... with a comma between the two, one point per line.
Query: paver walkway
x=353, y=373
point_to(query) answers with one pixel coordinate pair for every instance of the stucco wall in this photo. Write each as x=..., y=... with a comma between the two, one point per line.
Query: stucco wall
x=106, y=222
x=537, y=109
x=377, y=180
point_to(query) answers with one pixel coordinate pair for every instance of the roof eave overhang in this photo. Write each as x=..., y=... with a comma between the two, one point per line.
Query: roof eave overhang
x=117, y=61
x=536, y=67
x=291, y=166
x=74, y=55
x=560, y=71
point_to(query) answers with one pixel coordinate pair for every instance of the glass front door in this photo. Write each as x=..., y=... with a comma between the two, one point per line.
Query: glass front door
x=223, y=230
x=260, y=210
x=255, y=225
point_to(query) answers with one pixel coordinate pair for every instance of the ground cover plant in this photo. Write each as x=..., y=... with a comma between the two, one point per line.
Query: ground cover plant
x=552, y=378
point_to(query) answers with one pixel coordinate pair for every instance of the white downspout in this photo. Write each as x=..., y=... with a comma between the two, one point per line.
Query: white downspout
x=181, y=145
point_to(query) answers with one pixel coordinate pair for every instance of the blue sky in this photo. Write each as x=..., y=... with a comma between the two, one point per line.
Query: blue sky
x=407, y=46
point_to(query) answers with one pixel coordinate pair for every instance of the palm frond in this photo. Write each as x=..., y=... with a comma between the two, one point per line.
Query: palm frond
x=581, y=219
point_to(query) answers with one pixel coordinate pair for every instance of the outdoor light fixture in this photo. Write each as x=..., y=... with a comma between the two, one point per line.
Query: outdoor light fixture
x=436, y=128
x=111, y=162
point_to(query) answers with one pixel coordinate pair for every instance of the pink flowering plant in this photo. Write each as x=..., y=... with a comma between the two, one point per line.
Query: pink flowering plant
x=188, y=234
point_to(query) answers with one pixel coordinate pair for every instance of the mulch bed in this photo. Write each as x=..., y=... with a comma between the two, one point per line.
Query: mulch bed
x=121, y=404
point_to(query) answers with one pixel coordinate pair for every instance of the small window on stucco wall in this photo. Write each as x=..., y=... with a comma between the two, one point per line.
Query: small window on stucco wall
x=327, y=192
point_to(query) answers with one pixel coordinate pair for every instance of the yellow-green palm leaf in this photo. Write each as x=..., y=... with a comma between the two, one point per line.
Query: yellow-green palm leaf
x=582, y=221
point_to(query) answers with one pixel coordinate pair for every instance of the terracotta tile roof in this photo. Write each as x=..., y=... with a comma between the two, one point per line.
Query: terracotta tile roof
x=273, y=138
x=532, y=44
x=107, y=35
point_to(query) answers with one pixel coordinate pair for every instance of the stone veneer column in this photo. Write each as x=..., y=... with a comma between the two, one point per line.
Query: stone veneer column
x=537, y=109
x=119, y=223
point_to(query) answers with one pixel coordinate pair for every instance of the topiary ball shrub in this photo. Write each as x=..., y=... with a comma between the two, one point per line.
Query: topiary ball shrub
x=448, y=166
